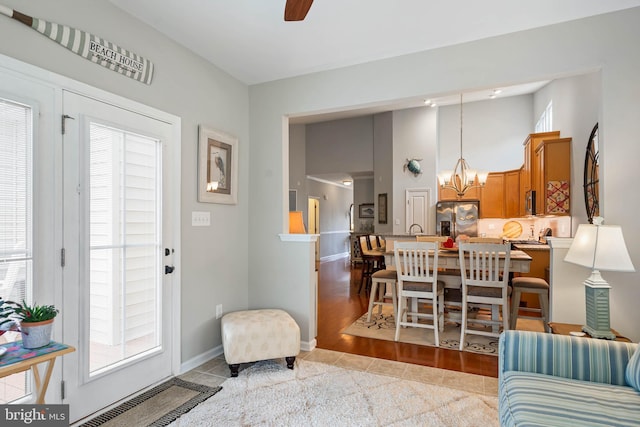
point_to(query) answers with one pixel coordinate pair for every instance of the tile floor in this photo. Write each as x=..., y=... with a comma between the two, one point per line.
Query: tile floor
x=216, y=371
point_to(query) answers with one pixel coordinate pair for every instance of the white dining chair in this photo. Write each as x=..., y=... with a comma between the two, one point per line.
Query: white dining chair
x=418, y=279
x=485, y=279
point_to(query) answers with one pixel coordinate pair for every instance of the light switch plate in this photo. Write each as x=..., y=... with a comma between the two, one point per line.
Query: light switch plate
x=200, y=219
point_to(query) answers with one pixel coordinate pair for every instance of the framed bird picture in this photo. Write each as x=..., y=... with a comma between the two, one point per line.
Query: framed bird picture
x=217, y=167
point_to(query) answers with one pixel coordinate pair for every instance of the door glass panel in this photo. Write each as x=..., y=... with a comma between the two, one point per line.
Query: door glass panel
x=124, y=246
x=15, y=222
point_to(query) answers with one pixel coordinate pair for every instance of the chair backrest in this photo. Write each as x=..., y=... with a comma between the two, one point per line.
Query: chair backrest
x=375, y=241
x=413, y=263
x=365, y=245
x=485, y=264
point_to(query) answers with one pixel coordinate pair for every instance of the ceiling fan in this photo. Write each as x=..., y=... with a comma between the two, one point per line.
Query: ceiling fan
x=296, y=10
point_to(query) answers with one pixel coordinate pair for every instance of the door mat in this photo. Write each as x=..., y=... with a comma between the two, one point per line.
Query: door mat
x=156, y=407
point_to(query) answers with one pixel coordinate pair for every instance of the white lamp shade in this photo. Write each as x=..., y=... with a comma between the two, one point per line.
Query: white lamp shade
x=600, y=247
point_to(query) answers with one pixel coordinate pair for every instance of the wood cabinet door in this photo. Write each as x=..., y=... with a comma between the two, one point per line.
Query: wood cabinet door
x=447, y=194
x=513, y=199
x=492, y=196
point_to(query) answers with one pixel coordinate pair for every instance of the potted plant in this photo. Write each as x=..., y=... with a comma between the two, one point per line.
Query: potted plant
x=33, y=321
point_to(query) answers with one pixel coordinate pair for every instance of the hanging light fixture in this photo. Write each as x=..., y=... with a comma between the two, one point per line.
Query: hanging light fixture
x=462, y=177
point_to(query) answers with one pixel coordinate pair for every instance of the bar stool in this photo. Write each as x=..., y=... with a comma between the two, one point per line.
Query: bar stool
x=372, y=261
x=384, y=278
x=530, y=285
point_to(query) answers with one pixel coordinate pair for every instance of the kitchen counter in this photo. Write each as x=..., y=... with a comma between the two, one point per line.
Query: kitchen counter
x=531, y=247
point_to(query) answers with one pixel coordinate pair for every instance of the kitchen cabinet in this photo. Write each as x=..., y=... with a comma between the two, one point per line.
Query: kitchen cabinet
x=448, y=194
x=500, y=196
x=512, y=196
x=492, y=196
x=552, y=177
x=529, y=168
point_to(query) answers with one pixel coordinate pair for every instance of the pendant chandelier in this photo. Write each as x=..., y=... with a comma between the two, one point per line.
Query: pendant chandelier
x=462, y=177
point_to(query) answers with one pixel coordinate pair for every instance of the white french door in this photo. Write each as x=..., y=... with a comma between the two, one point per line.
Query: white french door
x=117, y=297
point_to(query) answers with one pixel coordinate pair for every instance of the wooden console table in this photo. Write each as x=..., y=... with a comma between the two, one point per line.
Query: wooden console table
x=19, y=359
x=567, y=328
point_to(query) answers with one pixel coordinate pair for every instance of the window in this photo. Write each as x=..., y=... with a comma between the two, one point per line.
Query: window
x=16, y=219
x=545, y=122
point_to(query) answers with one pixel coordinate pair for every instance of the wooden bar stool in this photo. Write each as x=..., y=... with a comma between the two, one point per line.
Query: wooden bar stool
x=530, y=285
x=384, y=278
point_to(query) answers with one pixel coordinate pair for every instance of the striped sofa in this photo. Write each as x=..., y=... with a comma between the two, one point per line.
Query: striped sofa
x=556, y=380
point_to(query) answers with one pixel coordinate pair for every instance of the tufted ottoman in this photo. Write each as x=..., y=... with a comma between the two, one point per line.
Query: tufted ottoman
x=253, y=335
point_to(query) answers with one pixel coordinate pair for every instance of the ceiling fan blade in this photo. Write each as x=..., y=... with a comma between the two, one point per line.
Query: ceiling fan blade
x=296, y=10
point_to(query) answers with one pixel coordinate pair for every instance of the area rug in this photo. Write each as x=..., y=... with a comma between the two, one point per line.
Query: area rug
x=156, y=407
x=383, y=327
x=317, y=394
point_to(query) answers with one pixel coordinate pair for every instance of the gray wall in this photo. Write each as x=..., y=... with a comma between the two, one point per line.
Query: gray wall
x=383, y=167
x=187, y=86
x=492, y=133
x=340, y=146
x=605, y=42
x=414, y=136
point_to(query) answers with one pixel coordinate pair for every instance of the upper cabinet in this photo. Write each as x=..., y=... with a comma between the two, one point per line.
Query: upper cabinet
x=512, y=196
x=492, y=196
x=552, y=177
x=448, y=194
x=500, y=196
x=529, y=168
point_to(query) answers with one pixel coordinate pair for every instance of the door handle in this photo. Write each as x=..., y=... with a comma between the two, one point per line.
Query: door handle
x=168, y=269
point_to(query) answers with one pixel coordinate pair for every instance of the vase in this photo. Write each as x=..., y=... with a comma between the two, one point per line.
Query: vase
x=36, y=334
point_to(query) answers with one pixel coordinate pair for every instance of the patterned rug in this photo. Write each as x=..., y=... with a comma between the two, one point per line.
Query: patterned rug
x=317, y=394
x=383, y=327
x=156, y=407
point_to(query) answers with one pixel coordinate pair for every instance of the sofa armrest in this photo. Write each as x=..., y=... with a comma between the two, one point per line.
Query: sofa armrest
x=564, y=356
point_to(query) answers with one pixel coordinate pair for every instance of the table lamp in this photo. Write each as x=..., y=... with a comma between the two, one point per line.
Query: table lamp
x=296, y=224
x=599, y=247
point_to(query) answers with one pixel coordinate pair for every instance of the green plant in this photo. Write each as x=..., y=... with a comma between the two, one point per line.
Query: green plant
x=11, y=311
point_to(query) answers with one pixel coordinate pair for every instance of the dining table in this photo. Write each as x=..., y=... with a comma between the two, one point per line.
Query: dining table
x=449, y=259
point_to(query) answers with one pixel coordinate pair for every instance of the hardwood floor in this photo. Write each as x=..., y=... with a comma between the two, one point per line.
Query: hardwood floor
x=339, y=305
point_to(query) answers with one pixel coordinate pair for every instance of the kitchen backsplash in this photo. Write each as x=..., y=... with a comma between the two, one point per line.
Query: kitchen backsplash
x=560, y=227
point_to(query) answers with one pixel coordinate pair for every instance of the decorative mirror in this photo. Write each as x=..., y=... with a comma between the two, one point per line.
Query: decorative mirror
x=591, y=176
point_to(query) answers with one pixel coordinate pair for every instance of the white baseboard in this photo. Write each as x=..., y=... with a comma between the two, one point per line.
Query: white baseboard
x=308, y=345
x=217, y=351
x=200, y=359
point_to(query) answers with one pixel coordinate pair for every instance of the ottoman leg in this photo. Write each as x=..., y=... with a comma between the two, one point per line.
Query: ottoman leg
x=234, y=369
x=290, y=361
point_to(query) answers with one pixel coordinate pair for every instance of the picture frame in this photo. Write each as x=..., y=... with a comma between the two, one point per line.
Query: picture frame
x=366, y=210
x=218, y=166
x=382, y=208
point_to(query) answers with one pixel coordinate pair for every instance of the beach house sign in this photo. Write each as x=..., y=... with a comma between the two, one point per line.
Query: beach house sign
x=91, y=47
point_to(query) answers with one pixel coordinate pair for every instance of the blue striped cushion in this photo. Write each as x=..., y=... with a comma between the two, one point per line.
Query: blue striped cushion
x=632, y=374
x=528, y=399
x=565, y=356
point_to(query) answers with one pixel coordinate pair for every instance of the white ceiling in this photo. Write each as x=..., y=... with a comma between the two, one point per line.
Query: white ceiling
x=250, y=40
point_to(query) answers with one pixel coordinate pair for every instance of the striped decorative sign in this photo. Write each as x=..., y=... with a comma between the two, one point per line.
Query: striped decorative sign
x=91, y=47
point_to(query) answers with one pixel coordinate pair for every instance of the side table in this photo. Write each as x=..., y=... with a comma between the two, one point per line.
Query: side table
x=19, y=359
x=567, y=328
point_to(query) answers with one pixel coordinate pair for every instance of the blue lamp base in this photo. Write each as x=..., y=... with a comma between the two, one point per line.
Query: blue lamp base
x=597, y=301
